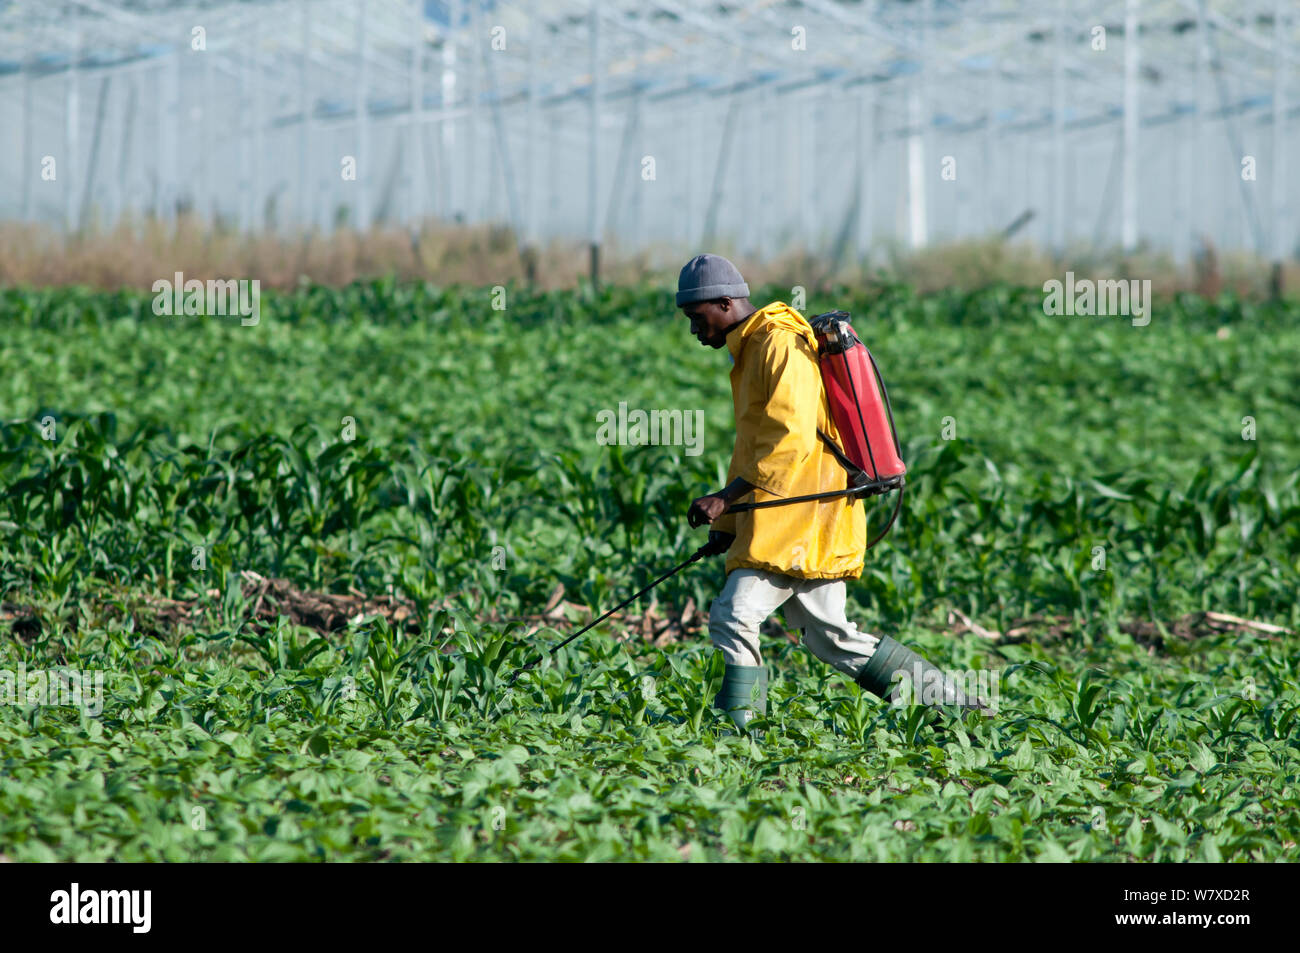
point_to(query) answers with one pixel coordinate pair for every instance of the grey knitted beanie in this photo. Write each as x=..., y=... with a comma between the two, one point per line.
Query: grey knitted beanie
x=709, y=276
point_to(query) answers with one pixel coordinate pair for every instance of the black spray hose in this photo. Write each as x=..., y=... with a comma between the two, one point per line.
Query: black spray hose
x=898, y=505
x=699, y=554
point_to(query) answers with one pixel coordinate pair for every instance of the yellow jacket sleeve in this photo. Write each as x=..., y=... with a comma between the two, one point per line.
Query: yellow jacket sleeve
x=784, y=428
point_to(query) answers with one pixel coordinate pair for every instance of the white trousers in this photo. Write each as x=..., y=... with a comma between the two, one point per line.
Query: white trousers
x=814, y=605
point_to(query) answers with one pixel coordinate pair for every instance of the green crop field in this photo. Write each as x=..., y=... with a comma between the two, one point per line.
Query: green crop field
x=1114, y=509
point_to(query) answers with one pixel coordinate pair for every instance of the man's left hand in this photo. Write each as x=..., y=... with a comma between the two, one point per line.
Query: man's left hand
x=719, y=542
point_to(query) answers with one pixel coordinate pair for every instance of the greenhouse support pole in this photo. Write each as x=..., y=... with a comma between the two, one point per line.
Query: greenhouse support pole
x=593, y=225
x=877, y=124
x=865, y=149
x=695, y=175
x=128, y=140
x=1058, y=134
x=863, y=167
x=204, y=204
x=808, y=180
x=915, y=171
x=749, y=173
x=158, y=81
x=447, y=125
x=992, y=208
x=28, y=171
x=177, y=111
x=304, y=127
x=171, y=166
x=488, y=70
x=72, y=121
x=720, y=170
x=1129, y=189
x=87, y=191
x=1276, y=175
x=418, y=171
x=533, y=165
x=259, y=142
x=1203, y=214
x=475, y=204
x=363, y=128
x=918, y=112
x=245, y=141
x=767, y=110
x=623, y=166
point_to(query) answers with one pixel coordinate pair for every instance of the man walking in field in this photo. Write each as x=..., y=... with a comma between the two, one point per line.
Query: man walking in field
x=795, y=556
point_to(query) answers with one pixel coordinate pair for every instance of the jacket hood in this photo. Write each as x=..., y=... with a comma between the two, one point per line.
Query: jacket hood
x=776, y=315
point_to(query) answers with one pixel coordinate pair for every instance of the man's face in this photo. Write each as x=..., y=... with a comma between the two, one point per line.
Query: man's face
x=710, y=321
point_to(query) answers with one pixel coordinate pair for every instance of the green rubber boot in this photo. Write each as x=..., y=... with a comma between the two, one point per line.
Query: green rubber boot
x=893, y=665
x=743, y=693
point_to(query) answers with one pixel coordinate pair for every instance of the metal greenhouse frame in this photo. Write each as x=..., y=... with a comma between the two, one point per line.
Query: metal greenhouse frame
x=832, y=125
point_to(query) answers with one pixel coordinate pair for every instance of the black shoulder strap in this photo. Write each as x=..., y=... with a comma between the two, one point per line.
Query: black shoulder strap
x=856, y=473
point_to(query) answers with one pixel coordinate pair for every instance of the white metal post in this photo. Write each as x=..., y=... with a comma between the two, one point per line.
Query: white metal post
x=487, y=66
x=1058, y=133
x=534, y=133
x=245, y=140
x=208, y=119
x=1202, y=216
x=256, y=90
x=172, y=138
x=417, y=118
x=158, y=82
x=991, y=180
x=763, y=170
x=87, y=186
x=363, y=128
x=474, y=101
x=915, y=170
x=1277, y=174
x=447, y=126
x=305, y=107
x=27, y=169
x=869, y=199
x=810, y=183
x=72, y=122
x=593, y=151
x=691, y=176
x=1129, y=201
x=863, y=172
x=917, y=116
x=552, y=164
x=799, y=154
x=128, y=140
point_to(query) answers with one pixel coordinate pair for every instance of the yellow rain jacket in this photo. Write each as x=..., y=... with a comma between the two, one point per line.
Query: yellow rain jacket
x=780, y=403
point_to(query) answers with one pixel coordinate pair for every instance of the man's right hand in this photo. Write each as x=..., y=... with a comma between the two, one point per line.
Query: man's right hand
x=706, y=509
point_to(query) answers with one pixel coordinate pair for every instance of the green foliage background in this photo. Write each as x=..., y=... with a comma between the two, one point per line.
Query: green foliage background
x=475, y=443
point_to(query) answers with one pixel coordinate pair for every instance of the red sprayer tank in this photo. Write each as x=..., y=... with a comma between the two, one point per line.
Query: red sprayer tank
x=859, y=403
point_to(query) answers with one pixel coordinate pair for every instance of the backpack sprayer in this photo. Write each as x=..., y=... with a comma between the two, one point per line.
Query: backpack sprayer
x=859, y=406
